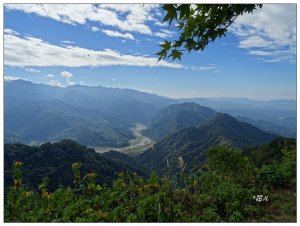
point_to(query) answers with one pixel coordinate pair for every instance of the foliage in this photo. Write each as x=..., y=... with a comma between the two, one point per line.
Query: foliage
x=199, y=24
x=191, y=143
x=283, y=172
x=271, y=152
x=55, y=160
x=221, y=191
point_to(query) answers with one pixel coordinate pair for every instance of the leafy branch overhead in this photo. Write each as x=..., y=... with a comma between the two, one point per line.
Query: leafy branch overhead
x=199, y=24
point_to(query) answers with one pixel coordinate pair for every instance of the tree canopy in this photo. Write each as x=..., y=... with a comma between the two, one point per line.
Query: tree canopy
x=199, y=24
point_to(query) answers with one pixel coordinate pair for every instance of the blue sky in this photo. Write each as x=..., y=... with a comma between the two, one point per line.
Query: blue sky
x=114, y=46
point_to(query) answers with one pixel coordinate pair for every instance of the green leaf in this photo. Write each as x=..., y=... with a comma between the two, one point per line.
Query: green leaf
x=184, y=10
x=176, y=54
x=166, y=45
x=171, y=13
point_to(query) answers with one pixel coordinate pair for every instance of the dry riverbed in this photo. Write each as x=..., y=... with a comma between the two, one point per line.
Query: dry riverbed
x=137, y=145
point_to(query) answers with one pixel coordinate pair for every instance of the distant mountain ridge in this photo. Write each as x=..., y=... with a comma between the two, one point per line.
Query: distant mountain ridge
x=34, y=113
x=40, y=121
x=277, y=116
x=175, y=117
x=191, y=143
x=94, y=116
x=89, y=97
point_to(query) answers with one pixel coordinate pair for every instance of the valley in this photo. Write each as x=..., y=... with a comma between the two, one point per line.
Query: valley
x=137, y=145
x=113, y=159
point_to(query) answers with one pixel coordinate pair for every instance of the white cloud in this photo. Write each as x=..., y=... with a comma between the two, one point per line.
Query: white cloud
x=34, y=52
x=94, y=29
x=67, y=42
x=163, y=33
x=32, y=70
x=207, y=68
x=255, y=41
x=50, y=75
x=10, y=78
x=200, y=68
x=158, y=23
x=158, y=12
x=268, y=32
x=260, y=53
x=70, y=83
x=10, y=31
x=66, y=74
x=118, y=34
x=113, y=79
x=55, y=83
x=134, y=16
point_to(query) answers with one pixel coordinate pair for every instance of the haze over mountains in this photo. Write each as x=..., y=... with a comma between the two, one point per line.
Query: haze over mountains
x=99, y=116
x=275, y=116
x=177, y=116
x=95, y=116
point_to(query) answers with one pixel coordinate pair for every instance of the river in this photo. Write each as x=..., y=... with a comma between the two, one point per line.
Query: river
x=137, y=145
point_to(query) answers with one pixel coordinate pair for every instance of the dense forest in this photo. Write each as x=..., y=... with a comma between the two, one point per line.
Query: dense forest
x=254, y=184
x=54, y=161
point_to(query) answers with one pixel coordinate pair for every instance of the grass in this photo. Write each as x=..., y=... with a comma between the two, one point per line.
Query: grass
x=282, y=207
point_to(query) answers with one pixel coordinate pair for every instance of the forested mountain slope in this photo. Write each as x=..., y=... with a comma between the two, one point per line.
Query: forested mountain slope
x=191, y=143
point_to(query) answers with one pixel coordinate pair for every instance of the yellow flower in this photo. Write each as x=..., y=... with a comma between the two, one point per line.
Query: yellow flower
x=46, y=194
x=18, y=163
x=91, y=174
x=75, y=165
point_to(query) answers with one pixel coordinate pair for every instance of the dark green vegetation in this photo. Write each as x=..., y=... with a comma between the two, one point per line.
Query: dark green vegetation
x=227, y=188
x=191, y=143
x=199, y=24
x=54, y=161
x=175, y=117
x=125, y=159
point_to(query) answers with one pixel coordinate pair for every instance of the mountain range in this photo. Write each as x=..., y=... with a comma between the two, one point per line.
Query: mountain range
x=276, y=116
x=191, y=143
x=175, y=117
x=99, y=116
x=94, y=116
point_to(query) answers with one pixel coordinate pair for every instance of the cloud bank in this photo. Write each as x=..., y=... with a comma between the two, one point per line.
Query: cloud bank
x=269, y=32
x=34, y=52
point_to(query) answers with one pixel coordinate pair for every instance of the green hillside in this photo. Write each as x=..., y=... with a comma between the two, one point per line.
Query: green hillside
x=55, y=160
x=191, y=143
x=175, y=117
x=228, y=188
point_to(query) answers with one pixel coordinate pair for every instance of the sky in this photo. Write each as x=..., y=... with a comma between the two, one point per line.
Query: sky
x=114, y=45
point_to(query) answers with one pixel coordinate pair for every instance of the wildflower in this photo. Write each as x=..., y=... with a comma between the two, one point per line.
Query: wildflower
x=91, y=174
x=76, y=165
x=18, y=163
x=45, y=194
